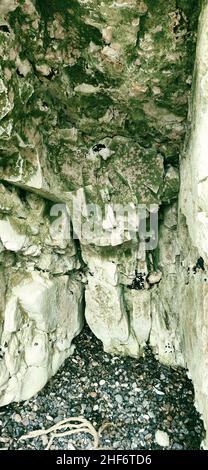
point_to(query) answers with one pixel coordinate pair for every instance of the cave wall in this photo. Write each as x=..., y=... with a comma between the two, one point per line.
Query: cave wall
x=180, y=305
x=94, y=98
x=193, y=205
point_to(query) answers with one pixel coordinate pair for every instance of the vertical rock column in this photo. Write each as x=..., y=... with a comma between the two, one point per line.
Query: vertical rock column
x=194, y=206
x=179, y=332
x=41, y=296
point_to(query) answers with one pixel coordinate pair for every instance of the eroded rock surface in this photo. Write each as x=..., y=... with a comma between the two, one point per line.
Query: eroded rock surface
x=180, y=309
x=93, y=107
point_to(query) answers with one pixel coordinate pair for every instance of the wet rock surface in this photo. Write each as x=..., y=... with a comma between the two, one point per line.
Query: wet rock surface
x=136, y=398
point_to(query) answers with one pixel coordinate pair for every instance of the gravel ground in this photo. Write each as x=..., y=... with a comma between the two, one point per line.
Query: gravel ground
x=137, y=398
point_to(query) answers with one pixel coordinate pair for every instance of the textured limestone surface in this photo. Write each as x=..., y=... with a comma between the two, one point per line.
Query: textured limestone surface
x=180, y=311
x=42, y=316
x=193, y=204
x=94, y=97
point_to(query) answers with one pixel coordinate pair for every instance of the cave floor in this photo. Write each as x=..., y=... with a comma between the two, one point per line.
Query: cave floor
x=135, y=397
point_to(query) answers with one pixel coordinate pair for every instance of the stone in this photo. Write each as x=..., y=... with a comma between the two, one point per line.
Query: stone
x=44, y=69
x=44, y=440
x=155, y=277
x=11, y=239
x=177, y=446
x=7, y=6
x=17, y=418
x=25, y=421
x=162, y=438
x=119, y=399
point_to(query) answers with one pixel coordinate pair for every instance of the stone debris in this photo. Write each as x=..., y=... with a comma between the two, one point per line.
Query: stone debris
x=125, y=408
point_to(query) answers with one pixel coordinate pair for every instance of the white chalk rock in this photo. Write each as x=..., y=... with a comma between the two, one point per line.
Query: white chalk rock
x=42, y=316
x=10, y=237
x=162, y=438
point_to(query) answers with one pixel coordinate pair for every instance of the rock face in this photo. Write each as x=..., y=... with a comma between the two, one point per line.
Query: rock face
x=41, y=301
x=180, y=303
x=93, y=106
x=193, y=204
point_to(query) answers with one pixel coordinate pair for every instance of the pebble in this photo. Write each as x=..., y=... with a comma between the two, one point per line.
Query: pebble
x=177, y=446
x=44, y=440
x=17, y=418
x=57, y=419
x=49, y=418
x=159, y=392
x=119, y=398
x=116, y=444
x=4, y=439
x=71, y=446
x=162, y=438
x=120, y=391
x=146, y=417
x=25, y=421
